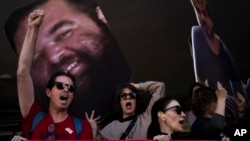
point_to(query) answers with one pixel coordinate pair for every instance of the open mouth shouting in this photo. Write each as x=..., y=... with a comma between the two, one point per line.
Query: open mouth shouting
x=63, y=99
x=182, y=122
x=128, y=105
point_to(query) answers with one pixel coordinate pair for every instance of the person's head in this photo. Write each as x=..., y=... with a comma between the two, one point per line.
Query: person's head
x=74, y=37
x=191, y=90
x=126, y=100
x=60, y=90
x=204, y=101
x=194, y=87
x=203, y=16
x=167, y=117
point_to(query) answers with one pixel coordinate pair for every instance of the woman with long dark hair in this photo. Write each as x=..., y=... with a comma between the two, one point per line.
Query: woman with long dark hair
x=167, y=118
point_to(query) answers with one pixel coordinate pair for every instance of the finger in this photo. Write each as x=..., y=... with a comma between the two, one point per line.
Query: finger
x=40, y=12
x=37, y=13
x=13, y=139
x=23, y=139
x=226, y=139
x=92, y=114
x=96, y=119
x=240, y=97
x=86, y=115
x=155, y=138
x=33, y=15
x=219, y=86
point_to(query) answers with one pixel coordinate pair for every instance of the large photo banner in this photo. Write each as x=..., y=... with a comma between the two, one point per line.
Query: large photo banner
x=212, y=60
x=74, y=37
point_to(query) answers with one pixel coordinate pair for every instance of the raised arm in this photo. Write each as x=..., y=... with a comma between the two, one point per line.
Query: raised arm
x=218, y=121
x=24, y=81
x=154, y=88
x=221, y=102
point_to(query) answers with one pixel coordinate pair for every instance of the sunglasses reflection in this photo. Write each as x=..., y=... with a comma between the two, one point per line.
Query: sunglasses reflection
x=61, y=86
x=177, y=109
x=130, y=95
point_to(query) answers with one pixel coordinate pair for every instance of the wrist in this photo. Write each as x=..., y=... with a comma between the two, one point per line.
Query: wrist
x=221, y=100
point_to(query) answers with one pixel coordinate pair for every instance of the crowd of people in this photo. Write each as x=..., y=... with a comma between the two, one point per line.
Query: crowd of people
x=163, y=118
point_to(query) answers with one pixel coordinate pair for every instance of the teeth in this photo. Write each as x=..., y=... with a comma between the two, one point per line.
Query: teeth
x=70, y=67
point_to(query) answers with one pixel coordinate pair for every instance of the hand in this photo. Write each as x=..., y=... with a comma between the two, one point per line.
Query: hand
x=93, y=121
x=162, y=138
x=135, y=85
x=225, y=138
x=221, y=92
x=240, y=102
x=18, y=138
x=35, y=18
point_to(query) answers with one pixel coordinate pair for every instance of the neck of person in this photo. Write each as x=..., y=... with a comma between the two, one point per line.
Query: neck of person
x=207, y=115
x=127, y=117
x=124, y=115
x=58, y=115
x=213, y=42
x=165, y=129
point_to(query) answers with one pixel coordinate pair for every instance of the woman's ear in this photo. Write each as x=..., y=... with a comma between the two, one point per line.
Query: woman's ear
x=161, y=115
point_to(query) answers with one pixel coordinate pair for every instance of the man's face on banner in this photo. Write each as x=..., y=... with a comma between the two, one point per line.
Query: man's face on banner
x=203, y=18
x=70, y=41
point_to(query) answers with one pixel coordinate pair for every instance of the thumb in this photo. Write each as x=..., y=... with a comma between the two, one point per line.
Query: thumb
x=219, y=86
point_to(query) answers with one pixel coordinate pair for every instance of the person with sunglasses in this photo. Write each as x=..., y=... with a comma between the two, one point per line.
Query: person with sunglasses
x=129, y=121
x=167, y=118
x=56, y=123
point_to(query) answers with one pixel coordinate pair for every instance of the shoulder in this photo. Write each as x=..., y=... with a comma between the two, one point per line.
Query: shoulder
x=86, y=132
x=35, y=108
x=200, y=121
x=196, y=29
x=111, y=125
x=34, y=116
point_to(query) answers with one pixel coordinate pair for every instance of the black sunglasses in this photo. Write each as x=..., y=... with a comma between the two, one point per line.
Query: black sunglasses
x=61, y=86
x=177, y=109
x=124, y=96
